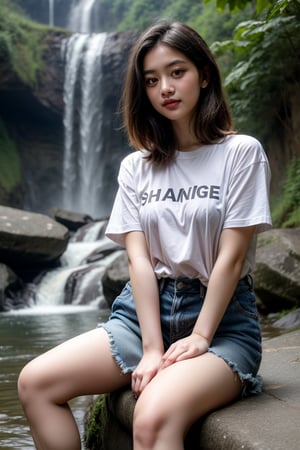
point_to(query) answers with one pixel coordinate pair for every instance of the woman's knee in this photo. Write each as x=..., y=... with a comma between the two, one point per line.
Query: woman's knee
x=149, y=421
x=30, y=382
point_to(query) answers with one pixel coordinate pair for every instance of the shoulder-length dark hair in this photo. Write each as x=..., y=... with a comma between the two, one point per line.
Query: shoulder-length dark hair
x=147, y=128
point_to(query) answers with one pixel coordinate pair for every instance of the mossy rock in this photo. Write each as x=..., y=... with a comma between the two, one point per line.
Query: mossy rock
x=103, y=429
x=108, y=424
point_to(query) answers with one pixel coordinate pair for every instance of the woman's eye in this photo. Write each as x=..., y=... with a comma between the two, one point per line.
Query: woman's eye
x=150, y=81
x=177, y=73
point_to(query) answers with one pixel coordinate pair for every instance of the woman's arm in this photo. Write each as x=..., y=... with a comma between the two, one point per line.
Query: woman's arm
x=146, y=298
x=233, y=246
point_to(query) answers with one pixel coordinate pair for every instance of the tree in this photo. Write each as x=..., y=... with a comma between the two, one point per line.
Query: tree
x=266, y=56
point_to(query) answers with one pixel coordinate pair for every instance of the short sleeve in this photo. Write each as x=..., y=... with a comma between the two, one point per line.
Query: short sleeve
x=125, y=212
x=248, y=190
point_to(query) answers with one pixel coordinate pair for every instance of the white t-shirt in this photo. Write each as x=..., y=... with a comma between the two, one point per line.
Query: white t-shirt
x=183, y=208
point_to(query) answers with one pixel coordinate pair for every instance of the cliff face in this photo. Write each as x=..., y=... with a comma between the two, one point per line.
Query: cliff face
x=33, y=117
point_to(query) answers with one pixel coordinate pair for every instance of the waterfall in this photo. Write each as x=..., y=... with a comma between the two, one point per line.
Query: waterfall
x=82, y=16
x=78, y=281
x=51, y=13
x=82, y=175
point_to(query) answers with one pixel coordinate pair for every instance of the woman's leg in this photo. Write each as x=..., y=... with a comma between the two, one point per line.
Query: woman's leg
x=81, y=366
x=178, y=396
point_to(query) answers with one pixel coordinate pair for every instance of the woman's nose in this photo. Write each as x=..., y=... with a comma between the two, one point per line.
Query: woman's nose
x=167, y=89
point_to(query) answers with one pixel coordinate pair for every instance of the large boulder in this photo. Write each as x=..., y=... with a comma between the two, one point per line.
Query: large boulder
x=115, y=277
x=9, y=284
x=70, y=219
x=28, y=238
x=277, y=273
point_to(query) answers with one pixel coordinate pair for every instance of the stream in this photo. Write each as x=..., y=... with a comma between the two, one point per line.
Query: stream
x=23, y=335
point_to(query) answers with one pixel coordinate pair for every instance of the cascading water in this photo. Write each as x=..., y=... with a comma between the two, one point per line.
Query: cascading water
x=51, y=13
x=77, y=281
x=83, y=143
x=82, y=16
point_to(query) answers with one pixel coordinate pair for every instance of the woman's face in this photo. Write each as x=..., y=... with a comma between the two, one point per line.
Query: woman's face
x=172, y=83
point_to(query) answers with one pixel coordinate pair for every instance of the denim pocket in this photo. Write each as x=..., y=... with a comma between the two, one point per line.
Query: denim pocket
x=124, y=297
x=245, y=301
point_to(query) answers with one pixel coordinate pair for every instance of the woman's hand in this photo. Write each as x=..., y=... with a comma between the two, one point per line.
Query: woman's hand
x=188, y=347
x=147, y=368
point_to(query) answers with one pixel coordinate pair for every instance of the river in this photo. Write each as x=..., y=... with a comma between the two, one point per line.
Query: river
x=23, y=335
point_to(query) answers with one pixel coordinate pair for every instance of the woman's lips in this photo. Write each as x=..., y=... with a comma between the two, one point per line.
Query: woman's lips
x=171, y=104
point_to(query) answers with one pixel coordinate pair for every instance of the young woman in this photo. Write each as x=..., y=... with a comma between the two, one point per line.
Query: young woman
x=184, y=331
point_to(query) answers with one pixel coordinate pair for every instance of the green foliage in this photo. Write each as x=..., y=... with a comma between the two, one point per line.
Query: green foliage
x=262, y=51
x=10, y=166
x=214, y=25
x=21, y=42
x=138, y=14
x=287, y=211
x=241, y=4
x=141, y=14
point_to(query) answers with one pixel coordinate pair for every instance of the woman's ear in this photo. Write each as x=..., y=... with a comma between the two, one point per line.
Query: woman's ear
x=205, y=77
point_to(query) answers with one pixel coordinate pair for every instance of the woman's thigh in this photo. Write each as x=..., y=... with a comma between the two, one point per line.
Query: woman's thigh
x=80, y=366
x=187, y=390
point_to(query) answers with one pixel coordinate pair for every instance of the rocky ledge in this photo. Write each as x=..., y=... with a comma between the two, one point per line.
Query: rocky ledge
x=268, y=421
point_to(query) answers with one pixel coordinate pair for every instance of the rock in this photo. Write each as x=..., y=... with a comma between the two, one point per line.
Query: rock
x=115, y=277
x=84, y=287
x=47, y=90
x=9, y=284
x=70, y=219
x=29, y=239
x=289, y=321
x=277, y=273
x=50, y=82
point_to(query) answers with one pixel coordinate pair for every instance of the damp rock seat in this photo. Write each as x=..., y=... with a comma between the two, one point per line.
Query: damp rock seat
x=266, y=421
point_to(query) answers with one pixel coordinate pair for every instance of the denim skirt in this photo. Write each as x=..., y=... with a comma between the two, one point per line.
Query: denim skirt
x=237, y=340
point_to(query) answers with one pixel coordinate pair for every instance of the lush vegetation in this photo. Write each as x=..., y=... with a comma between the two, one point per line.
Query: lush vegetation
x=10, y=168
x=265, y=72
x=286, y=212
x=21, y=42
x=213, y=24
x=265, y=54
